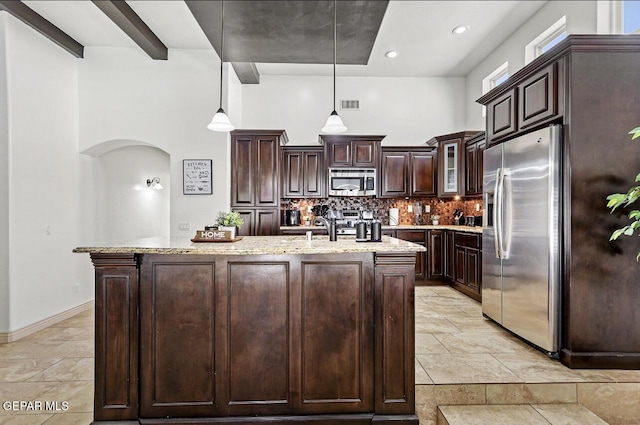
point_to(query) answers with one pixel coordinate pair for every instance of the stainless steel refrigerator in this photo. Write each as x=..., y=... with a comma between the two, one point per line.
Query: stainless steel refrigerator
x=521, y=236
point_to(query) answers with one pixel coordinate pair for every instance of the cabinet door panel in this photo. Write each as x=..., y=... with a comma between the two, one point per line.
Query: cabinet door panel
x=472, y=174
x=395, y=166
x=364, y=154
x=480, y=167
x=337, y=360
x=423, y=173
x=267, y=222
x=474, y=264
x=249, y=219
x=242, y=185
x=314, y=174
x=266, y=177
x=293, y=174
x=257, y=338
x=536, y=98
x=449, y=271
x=501, y=116
x=436, y=254
x=460, y=265
x=340, y=154
x=177, y=305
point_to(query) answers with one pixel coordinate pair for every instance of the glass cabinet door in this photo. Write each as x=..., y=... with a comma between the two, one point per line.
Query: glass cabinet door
x=451, y=168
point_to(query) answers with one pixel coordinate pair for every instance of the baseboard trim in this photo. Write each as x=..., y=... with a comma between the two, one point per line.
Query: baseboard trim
x=44, y=323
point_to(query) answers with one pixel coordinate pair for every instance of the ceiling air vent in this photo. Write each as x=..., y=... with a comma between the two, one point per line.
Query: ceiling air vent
x=349, y=105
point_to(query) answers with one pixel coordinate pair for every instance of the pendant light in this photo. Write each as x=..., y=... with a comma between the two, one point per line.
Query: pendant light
x=220, y=121
x=334, y=124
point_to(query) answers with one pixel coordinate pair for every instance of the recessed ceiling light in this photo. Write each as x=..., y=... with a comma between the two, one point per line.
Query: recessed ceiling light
x=392, y=54
x=460, y=29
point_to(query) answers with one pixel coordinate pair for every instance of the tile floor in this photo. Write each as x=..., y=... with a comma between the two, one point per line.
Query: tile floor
x=461, y=358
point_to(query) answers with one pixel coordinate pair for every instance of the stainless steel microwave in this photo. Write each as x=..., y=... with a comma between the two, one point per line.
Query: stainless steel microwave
x=352, y=181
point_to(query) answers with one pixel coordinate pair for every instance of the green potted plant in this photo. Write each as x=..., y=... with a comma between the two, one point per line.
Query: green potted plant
x=307, y=220
x=229, y=221
x=435, y=219
x=624, y=200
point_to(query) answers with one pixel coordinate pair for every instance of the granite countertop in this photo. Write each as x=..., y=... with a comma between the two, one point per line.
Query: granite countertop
x=469, y=229
x=253, y=245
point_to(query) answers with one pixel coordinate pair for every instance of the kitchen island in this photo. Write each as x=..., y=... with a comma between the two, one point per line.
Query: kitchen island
x=267, y=329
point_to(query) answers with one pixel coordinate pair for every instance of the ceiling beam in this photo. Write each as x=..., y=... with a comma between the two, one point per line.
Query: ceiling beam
x=44, y=27
x=247, y=72
x=132, y=25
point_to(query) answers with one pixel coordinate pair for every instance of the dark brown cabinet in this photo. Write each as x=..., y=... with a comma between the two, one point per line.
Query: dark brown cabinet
x=449, y=257
x=259, y=221
x=451, y=163
x=303, y=172
x=474, y=153
x=255, y=179
x=468, y=264
x=408, y=172
x=501, y=116
x=417, y=237
x=537, y=98
x=435, y=249
x=351, y=151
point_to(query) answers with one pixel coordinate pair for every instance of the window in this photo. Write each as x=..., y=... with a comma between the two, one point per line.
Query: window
x=631, y=16
x=497, y=77
x=545, y=41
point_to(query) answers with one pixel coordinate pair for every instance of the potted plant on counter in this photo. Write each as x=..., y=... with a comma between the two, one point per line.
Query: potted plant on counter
x=307, y=220
x=229, y=221
x=435, y=219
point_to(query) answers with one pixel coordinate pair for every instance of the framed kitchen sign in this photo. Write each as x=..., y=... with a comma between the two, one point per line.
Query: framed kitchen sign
x=196, y=177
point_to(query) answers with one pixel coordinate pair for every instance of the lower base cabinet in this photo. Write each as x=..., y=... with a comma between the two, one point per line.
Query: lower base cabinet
x=456, y=257
x=418, y=237
x=259, y=221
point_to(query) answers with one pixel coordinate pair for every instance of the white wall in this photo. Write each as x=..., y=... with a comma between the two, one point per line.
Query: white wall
x=125, y=95
x=4, y=181
x=131, y=210
x=581, y=19
x=409, y=111
x=45, y=194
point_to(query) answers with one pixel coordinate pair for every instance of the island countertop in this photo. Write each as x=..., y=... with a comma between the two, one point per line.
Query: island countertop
x=252, y=245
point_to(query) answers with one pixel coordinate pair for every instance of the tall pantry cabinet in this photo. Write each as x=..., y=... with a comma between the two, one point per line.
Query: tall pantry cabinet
x=255, y=174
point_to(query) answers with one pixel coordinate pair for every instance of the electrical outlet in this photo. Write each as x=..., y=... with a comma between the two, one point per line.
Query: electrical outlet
x=409, y=208
x=184, y=226
x=427, y=208
x=76, y=288
x=48, y=231
x=477, y=207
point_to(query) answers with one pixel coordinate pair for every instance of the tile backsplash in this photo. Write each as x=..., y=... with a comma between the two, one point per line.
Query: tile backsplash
x=380, y=206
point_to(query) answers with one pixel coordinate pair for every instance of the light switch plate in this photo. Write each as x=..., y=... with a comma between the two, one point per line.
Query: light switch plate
x=184, y=226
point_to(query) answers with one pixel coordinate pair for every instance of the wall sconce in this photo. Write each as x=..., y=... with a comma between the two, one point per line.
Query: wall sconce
x=154, y=183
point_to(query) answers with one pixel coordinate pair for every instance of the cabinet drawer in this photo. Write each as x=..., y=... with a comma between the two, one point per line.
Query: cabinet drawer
x=412, y=236
x=469, y=240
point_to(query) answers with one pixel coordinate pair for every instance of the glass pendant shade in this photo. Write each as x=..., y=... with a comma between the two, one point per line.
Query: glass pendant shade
x=220, y=122
x=334, y=124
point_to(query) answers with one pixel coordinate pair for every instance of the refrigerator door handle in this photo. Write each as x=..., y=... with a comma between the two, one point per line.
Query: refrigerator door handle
x=497, y=214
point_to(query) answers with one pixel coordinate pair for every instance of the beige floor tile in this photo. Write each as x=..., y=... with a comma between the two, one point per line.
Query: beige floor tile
x=618, y=404
x=421, y=377
x=24, y=419
x=70, y=369
x=474, y=324
x=429, y=397
x=531, y=393
x=84, y=348
x=435, y=326
x=537, y=367
x=471, y=310
x=78, y=321
x=79, y=395
x=568, y=414
x=70, y=419
x=494, y=415
x=479, y=342
x=466, y=369
x=62, y=334
x=17, y=370
x=609, y=375
x=427, y=344
x=25, y=349
x=10, y=391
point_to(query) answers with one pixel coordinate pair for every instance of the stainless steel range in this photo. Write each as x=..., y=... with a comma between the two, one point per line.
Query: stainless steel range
x=346, y=220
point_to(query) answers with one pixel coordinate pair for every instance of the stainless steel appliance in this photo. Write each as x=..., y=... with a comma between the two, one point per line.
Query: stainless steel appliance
x=292, y=218
x=352, y=181
x=520, y=237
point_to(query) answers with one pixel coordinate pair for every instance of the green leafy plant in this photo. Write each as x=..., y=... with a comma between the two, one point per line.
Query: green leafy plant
x=435, y=217
x=229, y=219
x=623, y=200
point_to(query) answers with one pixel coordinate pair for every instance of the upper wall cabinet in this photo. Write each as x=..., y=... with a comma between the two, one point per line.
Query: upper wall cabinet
x=344, y=151
x=474, y=161
x=451, y=163
x=407, y=172
x=524, y=102
x=303, y=172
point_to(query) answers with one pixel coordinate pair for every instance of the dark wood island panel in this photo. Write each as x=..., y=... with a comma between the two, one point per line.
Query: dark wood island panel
x=323, y=338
